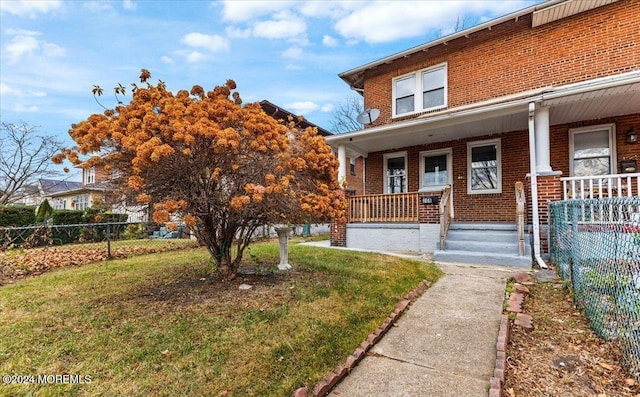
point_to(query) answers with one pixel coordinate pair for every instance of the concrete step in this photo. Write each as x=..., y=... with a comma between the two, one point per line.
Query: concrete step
x=483, y=226
x=482, y=258
x=483, y=235
x=484, y=243
x=482, y=246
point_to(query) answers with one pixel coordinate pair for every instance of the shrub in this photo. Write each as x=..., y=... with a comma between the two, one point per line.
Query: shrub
x=19, y=215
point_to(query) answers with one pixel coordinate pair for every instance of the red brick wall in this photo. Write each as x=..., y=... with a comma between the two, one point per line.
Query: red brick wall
x=355, y=181
x=513, y=57
x=515, y=167
x=476, y=207
x=559, y=140
x=429, y=213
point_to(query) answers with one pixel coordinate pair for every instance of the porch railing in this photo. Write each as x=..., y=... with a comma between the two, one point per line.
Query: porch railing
x=601, y=186
x=399, y=207
x=592, y=189
x=445, y=215
x=520, y=207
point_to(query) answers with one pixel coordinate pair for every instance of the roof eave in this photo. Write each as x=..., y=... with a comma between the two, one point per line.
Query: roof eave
x=353, y=77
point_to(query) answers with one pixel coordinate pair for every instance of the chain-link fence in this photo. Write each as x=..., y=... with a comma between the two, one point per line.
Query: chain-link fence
x=595, y=244
x=34, y=249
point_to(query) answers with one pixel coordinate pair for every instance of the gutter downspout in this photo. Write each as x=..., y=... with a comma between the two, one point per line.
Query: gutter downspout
x=534, y=188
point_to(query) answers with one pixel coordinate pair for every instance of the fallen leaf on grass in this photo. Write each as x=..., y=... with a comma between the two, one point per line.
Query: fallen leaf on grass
x=606, y=366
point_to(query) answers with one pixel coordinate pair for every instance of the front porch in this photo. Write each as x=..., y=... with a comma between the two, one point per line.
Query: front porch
x=421, y=221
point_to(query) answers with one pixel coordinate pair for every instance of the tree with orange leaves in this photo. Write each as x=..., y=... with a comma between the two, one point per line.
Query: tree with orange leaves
x=227, y=169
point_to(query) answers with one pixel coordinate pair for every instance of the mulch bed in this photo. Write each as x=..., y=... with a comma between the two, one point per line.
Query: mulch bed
x=561, y=355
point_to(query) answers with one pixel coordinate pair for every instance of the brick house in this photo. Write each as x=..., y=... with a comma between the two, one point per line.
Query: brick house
x=465, y=119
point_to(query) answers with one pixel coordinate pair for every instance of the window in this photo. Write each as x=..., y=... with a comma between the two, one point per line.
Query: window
x=82, y=202
x=484, y=167
x=592, y=151
x=352, y=165
x=89, y=175
x=395, y=173
x=59, y=204
x=420, y=91
x=435, y=169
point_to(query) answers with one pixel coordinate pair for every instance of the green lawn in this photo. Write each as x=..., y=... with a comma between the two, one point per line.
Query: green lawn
x=158, y=325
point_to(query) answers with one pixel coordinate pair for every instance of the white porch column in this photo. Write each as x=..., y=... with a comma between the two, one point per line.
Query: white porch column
x=543, y=147
x=342, y=158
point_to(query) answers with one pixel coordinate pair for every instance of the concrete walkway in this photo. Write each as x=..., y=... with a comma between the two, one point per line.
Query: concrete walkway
x=444, y=345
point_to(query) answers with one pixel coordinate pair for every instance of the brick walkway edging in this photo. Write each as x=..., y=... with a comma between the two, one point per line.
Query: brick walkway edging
x=514, y=305
x=326, y=384
x=497, y=379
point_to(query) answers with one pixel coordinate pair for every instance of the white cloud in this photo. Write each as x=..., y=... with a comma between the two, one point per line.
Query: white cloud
x=8, y=90
x=21, y=46
x=25, y=109
x=129, y=5
x=237, y=33
x=29, y=8
x=97, y=6
x=385, y=21
x=26, y=44
x=195, y=57
x=301, y=108
x=166, y=59
x=213, y=43
x=53, y=50
x=327, y=108
x=284, y=26
x=293, y=53
x=329, y=41
x=241, y=11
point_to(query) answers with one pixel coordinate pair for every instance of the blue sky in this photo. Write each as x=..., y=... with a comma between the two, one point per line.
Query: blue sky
x=288, y=52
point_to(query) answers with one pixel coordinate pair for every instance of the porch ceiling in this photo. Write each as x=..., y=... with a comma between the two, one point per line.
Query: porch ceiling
x=586, y=101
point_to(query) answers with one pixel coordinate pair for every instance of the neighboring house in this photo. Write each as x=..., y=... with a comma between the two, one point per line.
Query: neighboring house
x=35, y=194
x=92, y=191
x=354, y=177
x=279, y=113
x=95, y=189
x=553, y=88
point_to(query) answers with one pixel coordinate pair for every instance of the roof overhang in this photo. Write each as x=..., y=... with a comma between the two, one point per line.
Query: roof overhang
x=589, y=100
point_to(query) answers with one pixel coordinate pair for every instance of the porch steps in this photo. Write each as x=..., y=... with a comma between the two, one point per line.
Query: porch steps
x=484, y=244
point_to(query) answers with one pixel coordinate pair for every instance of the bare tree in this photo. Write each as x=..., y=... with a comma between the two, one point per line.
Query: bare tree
x=461, y=23
x=25, y=156
x=345, y=114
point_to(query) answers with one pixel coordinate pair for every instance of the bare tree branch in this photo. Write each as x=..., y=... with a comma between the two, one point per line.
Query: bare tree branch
x=345, y=114
x=25, y=156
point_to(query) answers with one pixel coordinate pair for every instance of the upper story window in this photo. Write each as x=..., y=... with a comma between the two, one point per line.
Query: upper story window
x=423, y=90
x=89, y=175
x=484, y=167
x=592, y=150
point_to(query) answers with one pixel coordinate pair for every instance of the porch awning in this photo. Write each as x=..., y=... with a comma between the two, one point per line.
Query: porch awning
x=593, y=99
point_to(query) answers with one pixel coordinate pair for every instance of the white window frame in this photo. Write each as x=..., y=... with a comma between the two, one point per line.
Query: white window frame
x=417, y=93
x=610, y=128
x=384, y=171
x=438, y=152
x=82, y=202
x=487, y=142
x=90, y=175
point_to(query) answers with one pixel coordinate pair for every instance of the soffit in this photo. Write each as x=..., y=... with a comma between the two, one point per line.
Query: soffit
x=565, y=9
